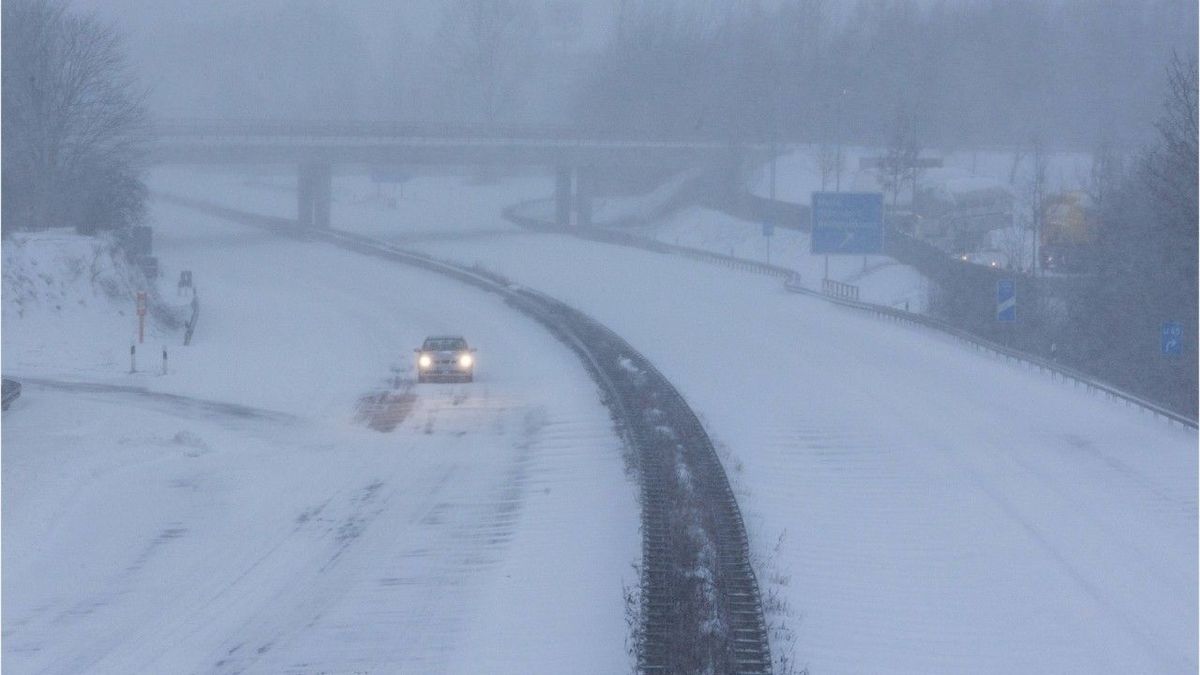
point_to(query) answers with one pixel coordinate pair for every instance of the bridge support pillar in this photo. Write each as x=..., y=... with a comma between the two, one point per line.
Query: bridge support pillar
x=584, y=186
x=562, y=196
x=314, y=194
x=304, y=196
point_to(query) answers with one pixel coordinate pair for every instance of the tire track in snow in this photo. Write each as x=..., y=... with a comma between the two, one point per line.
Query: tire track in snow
x=700, y=603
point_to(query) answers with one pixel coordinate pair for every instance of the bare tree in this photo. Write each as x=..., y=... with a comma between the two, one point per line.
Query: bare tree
x=1105, y=175
x=829, y=163
x=1172, y=166
x=899, y=163
x=72, y=121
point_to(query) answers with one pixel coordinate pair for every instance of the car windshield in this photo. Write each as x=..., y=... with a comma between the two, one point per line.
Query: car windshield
x=445, y=344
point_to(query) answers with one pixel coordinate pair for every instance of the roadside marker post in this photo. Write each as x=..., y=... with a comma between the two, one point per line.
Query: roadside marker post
x=164, y=372
x=132, y=359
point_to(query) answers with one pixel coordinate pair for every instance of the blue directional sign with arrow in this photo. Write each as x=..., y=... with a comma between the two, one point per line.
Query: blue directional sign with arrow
x=1172, y=338
x=849, y=223
x=1006, y=300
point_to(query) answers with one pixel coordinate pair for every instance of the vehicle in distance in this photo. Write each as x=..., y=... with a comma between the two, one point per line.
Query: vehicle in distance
x=445, y=358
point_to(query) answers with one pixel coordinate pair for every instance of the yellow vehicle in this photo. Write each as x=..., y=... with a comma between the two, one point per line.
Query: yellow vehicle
x=1069, y=230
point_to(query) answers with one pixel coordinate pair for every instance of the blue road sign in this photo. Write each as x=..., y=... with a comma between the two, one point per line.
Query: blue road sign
x=1006, y=300
x=1172, y=338
x=847, y=223
x=768, y=229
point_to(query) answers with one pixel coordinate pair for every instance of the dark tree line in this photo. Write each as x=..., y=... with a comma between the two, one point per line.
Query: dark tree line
x=1147, y=272
x=73, y=122
x=1108, y=323
x=986, y=73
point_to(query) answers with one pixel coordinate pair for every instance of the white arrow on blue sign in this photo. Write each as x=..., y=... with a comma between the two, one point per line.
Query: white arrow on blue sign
x=1006, y=300
x=1172, y=338
x=847, y=223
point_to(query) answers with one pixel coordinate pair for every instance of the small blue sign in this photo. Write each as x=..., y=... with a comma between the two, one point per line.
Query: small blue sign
x=1006, y=300
x=1172, y=338
x=848, y=223
x=768, y=229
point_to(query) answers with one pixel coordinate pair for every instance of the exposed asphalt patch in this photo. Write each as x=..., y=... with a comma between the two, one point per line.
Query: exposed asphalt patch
x=385, y=410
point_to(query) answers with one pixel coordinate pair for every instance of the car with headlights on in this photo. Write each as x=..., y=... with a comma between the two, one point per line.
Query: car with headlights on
x=445, y=358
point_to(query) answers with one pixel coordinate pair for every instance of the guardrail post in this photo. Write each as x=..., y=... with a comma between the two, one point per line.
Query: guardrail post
x=584, y=180
x=322, y=194
x=305, y=197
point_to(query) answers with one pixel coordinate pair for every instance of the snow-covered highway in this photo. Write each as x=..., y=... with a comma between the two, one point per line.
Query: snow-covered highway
x=917, y=507
x=491, y=530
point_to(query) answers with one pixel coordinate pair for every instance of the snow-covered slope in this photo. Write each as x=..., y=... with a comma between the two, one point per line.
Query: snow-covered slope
x=69, y=304
x=918, y=507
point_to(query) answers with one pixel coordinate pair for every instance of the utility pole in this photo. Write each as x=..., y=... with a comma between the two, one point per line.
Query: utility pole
x=769, y=221
x=840, y=116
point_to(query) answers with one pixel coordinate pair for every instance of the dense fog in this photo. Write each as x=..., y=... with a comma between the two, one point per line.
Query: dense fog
x=968, y=71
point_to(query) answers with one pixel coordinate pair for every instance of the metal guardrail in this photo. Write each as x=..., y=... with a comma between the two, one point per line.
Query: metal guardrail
x=839, y=289
x=680, y=631
x=1054, y=369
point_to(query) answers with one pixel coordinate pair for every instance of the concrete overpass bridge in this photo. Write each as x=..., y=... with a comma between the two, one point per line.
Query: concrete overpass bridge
x=314, y=148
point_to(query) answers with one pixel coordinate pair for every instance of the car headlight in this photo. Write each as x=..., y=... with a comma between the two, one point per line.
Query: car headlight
x=425, y=361
x=465, y=360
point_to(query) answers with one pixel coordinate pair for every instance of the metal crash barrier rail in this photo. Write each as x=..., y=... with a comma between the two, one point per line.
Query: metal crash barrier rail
x=839, y=289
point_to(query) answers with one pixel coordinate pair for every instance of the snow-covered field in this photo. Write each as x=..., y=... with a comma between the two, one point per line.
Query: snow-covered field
x=917, y=507
x=240, y=514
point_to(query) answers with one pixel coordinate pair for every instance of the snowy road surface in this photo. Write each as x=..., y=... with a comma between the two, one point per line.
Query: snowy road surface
x=918, y=507
x=489, y=530
x=924, y=507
